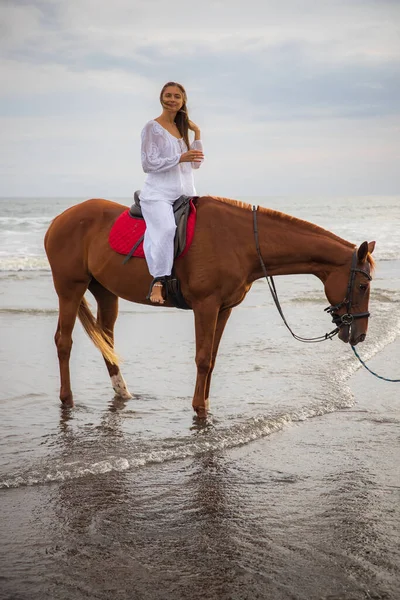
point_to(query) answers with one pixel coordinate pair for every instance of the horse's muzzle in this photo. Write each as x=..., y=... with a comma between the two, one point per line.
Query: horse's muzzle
x=347, y=335
x=358, y=339
x=344, y=333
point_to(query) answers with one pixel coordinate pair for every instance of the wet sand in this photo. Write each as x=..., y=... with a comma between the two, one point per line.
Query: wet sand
x=311, y=512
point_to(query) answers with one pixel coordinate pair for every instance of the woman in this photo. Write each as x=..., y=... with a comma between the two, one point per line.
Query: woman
x=168, y=159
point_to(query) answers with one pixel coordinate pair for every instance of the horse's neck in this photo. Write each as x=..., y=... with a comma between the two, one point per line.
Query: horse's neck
x=292, y=246
x=288, y=245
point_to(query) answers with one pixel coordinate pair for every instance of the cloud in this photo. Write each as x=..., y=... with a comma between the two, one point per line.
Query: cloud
x=82, y=77
x=66, y=30
x=288, y=82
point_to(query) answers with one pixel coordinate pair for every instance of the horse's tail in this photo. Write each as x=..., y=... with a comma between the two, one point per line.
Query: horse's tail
x=99, y=337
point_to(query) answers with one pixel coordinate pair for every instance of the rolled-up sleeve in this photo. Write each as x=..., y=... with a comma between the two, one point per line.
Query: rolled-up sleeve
x=197, y=145
x=155, y=152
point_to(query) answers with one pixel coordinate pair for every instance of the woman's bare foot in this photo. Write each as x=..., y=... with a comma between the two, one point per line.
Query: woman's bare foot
x=156, y=296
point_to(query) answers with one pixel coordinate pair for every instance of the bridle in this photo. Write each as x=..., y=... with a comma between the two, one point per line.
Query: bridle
x=347, y=318
x=339, y=320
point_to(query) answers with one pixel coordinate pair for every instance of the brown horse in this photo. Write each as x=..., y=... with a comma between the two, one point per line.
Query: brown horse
x=215, y=275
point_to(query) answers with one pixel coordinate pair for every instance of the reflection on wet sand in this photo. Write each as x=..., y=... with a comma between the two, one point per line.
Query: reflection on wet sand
x=152, y=533
x=270, y=521
x=350, y=519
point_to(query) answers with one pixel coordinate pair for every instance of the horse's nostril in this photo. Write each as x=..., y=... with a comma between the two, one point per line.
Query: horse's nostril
x=362, y=337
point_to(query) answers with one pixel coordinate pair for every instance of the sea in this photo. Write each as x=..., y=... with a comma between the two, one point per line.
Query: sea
x=291, y=488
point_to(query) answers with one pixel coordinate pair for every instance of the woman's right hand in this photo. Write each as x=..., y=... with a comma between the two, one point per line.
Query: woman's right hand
x=192, y=156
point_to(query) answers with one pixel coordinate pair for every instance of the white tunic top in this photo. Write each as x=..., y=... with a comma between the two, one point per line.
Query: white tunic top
x=167, y=178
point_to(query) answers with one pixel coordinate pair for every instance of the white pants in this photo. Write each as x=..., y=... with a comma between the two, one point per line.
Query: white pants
x=158, y=242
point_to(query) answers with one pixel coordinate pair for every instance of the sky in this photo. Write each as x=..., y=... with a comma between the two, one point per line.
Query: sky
x=293, y=97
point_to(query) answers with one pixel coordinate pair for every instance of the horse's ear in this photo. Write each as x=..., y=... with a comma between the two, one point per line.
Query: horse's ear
x=371, y=247
x=362, y=252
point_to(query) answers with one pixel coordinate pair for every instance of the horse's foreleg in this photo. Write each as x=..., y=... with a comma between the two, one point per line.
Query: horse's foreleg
x=107, y=313
x=205, y=316
x=223, y=317
x=68, y=310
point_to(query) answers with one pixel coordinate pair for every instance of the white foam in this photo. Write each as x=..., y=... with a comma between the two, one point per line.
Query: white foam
x=206, y=439
x=24, y=263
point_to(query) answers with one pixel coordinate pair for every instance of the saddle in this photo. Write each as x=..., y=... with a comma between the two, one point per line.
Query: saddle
x=181, y=210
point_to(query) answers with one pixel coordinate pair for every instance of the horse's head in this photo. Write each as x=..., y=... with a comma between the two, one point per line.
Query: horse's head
x=348, y=294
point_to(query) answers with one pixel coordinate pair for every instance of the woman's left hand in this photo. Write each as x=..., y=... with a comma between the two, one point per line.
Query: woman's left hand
x=193, y=127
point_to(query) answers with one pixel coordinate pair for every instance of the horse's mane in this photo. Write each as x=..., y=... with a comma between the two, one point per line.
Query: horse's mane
x=276, y=214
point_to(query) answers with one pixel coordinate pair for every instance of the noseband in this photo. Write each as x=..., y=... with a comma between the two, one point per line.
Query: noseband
x=347, y=318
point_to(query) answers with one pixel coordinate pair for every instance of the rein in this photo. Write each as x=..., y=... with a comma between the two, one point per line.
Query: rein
x=373, y=372
x=339, y=320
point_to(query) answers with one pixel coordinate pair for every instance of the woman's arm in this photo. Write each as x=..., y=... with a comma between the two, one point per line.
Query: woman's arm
x=196, y=144
x=156, y=156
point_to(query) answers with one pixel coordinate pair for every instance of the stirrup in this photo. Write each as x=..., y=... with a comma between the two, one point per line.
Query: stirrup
x=163, y=281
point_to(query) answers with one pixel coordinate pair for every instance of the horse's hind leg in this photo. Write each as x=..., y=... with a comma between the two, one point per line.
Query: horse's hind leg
x=69, y=301
x=107, y=313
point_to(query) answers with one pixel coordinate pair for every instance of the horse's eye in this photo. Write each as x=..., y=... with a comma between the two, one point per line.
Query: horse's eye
x=363, y=287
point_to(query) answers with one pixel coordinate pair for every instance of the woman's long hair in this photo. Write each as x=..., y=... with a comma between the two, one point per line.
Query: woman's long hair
x=182, y=117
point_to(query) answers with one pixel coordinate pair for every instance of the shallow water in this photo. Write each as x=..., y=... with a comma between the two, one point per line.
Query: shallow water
x=310, y=512
x=279, y=496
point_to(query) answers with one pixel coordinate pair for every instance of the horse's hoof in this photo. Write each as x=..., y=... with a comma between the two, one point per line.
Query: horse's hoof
x=67, y=401
x=201, y=412
x=119, y=387
x=122, y=395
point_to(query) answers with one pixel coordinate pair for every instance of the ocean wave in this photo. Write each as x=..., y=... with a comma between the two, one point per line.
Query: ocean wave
x=22, y=221
x=206, y=440
x=23, y=263
x=29, y=311
x=20, y=261
x=388, y=296
x=377, y=295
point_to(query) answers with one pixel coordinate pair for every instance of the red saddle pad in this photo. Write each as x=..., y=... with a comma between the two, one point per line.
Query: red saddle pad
x=127, y=230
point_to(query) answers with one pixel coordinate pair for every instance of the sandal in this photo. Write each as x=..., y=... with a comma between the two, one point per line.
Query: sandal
x=158, y=283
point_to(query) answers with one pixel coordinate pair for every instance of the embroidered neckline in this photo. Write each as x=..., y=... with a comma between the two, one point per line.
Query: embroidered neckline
x=171, y=134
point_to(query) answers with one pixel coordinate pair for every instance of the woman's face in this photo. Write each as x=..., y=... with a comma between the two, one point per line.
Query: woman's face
x=172, y=98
